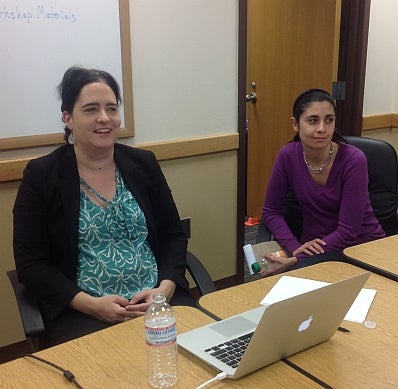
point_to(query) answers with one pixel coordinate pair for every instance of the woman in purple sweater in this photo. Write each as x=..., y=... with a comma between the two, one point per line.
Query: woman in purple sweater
x=330, y=181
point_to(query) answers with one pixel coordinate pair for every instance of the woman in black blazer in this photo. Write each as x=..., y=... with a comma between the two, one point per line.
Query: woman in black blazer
x=96, y=229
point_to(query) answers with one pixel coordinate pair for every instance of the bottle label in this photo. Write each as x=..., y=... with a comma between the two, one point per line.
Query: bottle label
x=161, y=336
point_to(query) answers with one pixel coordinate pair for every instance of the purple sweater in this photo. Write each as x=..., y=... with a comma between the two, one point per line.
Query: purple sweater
x=338, y=212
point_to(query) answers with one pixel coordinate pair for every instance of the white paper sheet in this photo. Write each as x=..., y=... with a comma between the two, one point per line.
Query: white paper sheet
x=288, y=286
x=360, y=307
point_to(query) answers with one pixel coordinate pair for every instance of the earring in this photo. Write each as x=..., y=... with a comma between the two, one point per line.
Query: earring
x=71, y=139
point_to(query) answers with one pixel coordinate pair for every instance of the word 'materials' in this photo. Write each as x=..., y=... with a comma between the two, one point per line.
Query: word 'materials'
x=40, y=13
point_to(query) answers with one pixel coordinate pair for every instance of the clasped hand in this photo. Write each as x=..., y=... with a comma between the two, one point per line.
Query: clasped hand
x=312, y=247
x=114, y=308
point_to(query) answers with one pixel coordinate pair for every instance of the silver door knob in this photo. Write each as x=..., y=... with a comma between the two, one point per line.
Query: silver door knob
x=252, y=98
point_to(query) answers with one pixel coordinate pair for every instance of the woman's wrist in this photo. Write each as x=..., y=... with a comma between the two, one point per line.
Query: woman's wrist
x=292, y=261
x=83, y=302
x=167, y=287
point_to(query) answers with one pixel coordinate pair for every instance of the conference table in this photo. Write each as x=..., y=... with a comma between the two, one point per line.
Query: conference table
x=115, y=358
x=363, y=357
x=379, y=256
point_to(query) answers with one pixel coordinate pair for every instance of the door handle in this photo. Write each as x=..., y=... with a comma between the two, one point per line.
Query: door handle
x=252, y=98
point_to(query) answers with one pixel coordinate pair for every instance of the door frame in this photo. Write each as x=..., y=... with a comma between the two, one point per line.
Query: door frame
x=351, y=69
x=242, y=130
x=354, y=31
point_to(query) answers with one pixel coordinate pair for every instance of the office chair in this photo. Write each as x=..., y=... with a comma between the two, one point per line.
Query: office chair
x=383, y=188
x=29, y=309
x=383, y=180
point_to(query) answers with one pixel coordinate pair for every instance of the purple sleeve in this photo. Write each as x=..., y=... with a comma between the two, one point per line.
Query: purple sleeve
x=354, y=203
x=275, y=199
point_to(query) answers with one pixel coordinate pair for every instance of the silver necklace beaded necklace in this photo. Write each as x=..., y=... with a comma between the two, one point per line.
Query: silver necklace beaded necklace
x=321, y=169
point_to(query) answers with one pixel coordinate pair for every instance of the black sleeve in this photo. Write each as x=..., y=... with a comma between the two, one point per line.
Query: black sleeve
x=41, y=248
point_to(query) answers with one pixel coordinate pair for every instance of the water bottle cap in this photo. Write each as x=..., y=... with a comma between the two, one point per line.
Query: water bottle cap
x=158, y=298
x=256, y=267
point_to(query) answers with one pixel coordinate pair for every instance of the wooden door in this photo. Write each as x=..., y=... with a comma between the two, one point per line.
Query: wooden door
x=292, y=46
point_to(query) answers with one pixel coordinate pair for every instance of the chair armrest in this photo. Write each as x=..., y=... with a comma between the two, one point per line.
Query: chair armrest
x=28, y=306
x=199, y=274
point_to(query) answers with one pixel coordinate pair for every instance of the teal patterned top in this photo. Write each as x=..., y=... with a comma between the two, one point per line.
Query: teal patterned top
x=114, y=255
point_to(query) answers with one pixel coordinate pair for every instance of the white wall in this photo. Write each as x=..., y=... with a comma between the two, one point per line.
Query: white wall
x=381, y=80
x=184, y=56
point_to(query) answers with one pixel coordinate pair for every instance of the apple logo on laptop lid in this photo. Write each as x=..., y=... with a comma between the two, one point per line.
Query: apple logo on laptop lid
x=305, y=324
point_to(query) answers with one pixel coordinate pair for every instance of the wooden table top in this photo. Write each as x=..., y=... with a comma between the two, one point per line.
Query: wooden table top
x=380, y=253
x=115, y=358
x=363, y=358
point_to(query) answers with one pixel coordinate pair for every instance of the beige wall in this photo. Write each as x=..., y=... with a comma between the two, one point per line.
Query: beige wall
x=10, y=322
x=204, y=189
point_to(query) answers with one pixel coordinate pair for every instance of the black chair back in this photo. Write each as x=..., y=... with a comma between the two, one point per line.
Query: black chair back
x=383, y=180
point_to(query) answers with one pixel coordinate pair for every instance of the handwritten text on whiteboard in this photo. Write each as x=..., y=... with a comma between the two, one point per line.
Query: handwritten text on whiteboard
x=39, y=13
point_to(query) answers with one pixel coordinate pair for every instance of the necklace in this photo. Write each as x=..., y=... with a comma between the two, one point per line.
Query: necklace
x=94, y=192
x=321, y=169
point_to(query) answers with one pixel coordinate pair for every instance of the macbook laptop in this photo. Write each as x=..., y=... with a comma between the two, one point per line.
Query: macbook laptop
x=267, y=334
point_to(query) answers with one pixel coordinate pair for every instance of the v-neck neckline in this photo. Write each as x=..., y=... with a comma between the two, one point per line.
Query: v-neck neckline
x=332, y=170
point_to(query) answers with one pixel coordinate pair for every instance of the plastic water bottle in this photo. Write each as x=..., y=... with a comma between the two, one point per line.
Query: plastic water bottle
x=161, y=340
x=262, y=265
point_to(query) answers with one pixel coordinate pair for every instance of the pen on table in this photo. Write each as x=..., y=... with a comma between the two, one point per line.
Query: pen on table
x=342, y=329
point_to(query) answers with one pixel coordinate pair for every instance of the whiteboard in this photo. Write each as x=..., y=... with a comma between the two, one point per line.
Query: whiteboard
x=38, y=42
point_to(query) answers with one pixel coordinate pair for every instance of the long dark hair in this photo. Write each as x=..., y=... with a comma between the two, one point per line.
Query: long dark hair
x=74, y=79
x=308, y=97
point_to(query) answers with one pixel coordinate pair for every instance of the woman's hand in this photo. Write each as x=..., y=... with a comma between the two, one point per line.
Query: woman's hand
x=111, y=308
x=312, y=247
x=114, y=309
x=141, y=301
x=277, y=264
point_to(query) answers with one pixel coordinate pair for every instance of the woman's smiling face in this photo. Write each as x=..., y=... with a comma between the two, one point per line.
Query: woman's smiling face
x=95, y=119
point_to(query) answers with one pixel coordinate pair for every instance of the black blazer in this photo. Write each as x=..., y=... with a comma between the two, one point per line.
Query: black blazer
x=46, y=217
